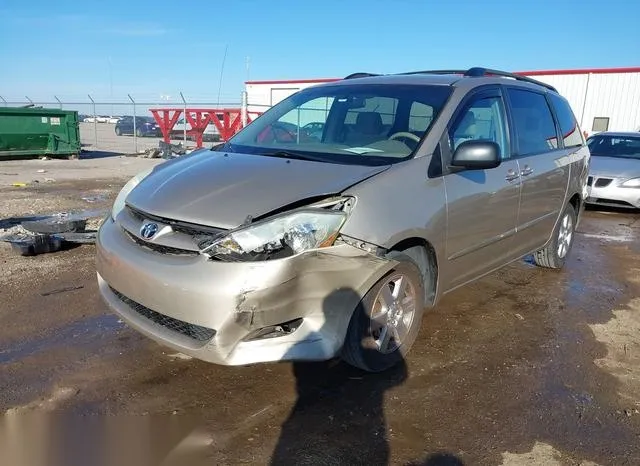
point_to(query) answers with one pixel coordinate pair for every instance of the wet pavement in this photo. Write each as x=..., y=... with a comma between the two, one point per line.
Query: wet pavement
x=526, y=366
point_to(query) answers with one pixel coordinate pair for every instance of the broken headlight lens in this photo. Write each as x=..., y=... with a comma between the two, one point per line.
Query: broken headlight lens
x=118, y=204
x=278, y=237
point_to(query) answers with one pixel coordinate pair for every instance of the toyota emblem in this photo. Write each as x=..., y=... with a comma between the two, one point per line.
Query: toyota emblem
x=148, y=230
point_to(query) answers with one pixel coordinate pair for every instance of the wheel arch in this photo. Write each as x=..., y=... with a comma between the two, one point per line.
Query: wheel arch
x=424, y=254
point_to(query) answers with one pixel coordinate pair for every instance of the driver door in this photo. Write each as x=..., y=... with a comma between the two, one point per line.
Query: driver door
x=482, y=205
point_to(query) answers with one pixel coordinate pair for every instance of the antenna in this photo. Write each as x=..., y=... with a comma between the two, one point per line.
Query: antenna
x=224, y=59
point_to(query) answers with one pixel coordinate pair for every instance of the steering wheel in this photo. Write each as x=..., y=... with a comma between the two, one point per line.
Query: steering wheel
x=405, y=134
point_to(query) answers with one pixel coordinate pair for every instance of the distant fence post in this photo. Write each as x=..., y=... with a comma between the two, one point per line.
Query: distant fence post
x=30, y=101
x=184, y=119
x=243, y=109
x=95, y=121
x=5, y=102
x=135, y=132
x=59, y=103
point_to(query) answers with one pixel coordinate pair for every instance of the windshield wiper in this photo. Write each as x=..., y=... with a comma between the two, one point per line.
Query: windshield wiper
x=292, y=155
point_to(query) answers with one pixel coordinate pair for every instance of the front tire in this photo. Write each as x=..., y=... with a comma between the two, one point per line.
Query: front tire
x=139, y=132
x=554, y=255
x=386, y=323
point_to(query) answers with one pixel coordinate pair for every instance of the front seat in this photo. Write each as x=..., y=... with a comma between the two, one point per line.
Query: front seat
x=466, y=130
x=368, y=129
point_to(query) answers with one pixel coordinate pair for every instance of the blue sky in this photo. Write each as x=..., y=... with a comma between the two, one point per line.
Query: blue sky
x=146, y=48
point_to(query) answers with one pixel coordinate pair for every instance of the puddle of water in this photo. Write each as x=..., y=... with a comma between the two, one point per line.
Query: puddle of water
x=79, y=333
x=613, y=238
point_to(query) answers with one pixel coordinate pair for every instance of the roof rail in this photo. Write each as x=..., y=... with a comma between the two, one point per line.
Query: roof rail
x=360, y=75
x=474, y=72
x=437, y=72
x=478, y=72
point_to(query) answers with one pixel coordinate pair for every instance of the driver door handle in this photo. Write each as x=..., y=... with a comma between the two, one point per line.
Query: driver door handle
x=511, y=175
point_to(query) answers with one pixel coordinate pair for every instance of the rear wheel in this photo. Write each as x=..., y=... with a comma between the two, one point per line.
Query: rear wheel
x=118, y=131
x=386, y=323
x=554, y=255
x=139, y=132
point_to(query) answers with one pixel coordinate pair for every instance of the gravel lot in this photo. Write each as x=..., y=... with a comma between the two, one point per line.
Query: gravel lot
x=525, y=367
x=108, y=141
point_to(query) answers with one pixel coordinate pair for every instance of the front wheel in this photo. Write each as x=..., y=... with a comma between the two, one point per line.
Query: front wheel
x=554, y=255
x=118, y=132
x=386, y=323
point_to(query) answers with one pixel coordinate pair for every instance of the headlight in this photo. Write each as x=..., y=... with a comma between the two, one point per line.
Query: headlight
x=632, y=183
x=278, y=237
x=118, y=204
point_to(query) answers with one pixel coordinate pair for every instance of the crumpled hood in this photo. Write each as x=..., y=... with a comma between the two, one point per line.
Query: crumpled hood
x=614, y=167
x=221, y=190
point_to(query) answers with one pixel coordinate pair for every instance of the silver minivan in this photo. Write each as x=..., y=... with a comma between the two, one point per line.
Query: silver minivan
x=328, y=225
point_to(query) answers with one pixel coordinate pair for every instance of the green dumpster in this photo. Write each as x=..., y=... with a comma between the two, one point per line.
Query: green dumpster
x=38, y=131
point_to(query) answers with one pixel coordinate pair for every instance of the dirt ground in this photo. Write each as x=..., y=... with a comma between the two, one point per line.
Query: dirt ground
x=525, y=367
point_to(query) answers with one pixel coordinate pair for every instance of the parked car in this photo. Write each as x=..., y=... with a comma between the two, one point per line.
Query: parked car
x=314, y=129
x=614, y=175
x=210, y=133
x=299, y=249
x=145, y=126
x=102, y=119
x=113, y=120
x=89, y=119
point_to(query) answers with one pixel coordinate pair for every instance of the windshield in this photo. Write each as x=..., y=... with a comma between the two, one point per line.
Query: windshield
x=364, y=124
x=626, y=147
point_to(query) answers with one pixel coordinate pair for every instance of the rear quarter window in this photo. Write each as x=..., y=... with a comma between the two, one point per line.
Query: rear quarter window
x=571, y=133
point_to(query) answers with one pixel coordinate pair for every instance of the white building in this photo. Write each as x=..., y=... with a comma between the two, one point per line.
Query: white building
x=602, y=99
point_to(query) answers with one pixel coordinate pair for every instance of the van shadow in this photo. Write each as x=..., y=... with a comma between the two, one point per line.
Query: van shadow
x=338, y=417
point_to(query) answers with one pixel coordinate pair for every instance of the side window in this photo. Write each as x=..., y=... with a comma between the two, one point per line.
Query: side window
x=571, y=134
x=420, y=117
x=482, y=120
x=534, y=126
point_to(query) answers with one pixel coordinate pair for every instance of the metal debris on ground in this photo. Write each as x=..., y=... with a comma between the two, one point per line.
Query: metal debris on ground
x=38, y=235
x=94, y=198
x=18, y=185
x=170, y=151
x=37, y=244
x=62, y=290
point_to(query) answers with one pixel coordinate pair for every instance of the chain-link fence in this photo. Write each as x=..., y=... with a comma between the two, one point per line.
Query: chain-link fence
x=129, y=126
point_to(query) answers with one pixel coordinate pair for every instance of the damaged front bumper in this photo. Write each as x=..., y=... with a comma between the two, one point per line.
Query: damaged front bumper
x=297, y=308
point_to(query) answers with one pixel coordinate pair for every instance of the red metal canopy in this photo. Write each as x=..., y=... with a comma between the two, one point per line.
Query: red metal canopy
x=228, y=121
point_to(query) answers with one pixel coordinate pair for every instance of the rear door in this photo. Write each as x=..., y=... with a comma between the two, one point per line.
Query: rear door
x=482, y=205
x=544, y=166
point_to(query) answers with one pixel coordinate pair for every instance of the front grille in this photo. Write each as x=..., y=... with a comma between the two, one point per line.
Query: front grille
x=159, y=247
x=603, y=182
x=178, y=226
x=193, y=331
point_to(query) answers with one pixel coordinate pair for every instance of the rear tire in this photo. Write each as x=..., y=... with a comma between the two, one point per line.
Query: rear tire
x=554, y=255
x=118, y=132
x=138, y=133
x=386, y=322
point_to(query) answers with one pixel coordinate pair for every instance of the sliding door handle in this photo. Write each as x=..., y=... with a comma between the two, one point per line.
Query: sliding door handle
x=526, y=171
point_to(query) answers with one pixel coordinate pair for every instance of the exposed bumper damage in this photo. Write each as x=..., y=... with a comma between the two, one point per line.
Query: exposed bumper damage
x=293, y=308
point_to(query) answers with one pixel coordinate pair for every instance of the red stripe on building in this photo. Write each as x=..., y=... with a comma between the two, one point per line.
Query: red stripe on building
x=629, y=69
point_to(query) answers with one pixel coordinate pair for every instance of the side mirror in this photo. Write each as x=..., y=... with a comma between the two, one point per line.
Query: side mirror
x=477, y=155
